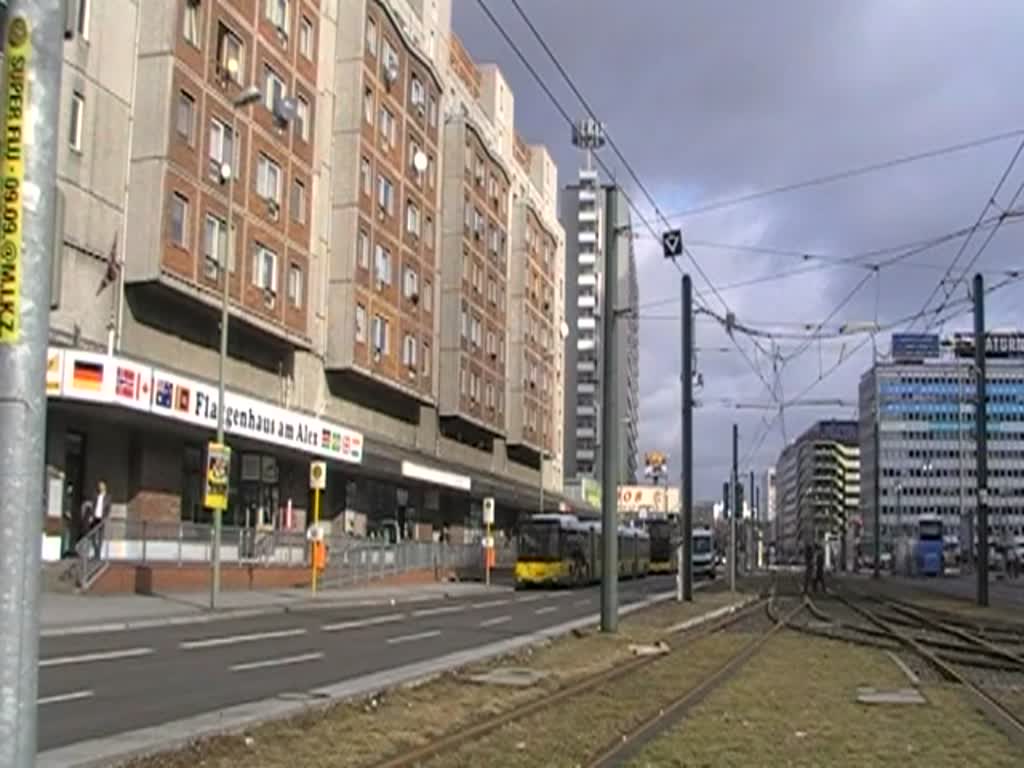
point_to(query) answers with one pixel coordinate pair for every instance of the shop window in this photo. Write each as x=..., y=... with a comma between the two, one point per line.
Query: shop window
x=192, y=509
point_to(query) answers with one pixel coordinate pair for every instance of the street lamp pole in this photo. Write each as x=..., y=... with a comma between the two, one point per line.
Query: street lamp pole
x=248, y=96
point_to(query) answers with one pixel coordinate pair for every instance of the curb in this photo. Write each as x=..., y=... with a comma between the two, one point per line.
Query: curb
x=119, y=748
x=306, y=605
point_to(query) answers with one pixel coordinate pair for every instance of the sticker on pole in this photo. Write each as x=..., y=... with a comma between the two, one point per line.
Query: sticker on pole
x=317, y=475
x=218, y=474
x=672, y=243
x=12, y=150
x=489, y=510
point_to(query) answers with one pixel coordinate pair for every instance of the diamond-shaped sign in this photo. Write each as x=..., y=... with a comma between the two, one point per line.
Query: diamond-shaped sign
x=672, y=243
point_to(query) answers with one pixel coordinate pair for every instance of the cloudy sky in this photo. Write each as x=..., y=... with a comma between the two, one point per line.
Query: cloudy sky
x=710, y=100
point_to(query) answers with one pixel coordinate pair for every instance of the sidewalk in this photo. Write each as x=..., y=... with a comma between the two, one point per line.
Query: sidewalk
x=62, y=614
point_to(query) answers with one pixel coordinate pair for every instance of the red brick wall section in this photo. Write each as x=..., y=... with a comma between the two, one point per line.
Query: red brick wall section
x=122, y=578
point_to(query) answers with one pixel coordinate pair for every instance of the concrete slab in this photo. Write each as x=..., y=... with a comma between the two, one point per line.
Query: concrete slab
x=514, y=677
x=899, y=696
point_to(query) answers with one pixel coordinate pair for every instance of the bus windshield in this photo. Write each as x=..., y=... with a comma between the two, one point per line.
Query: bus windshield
x=659, y=529
x=930, y=529
x=702, y=544
x=538, y=541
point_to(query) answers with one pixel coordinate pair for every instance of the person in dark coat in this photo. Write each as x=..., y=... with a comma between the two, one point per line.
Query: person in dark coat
x=808, y=566
x=819, y=568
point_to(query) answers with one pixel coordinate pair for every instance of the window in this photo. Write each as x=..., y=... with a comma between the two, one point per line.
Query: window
x=492, y=291
x=387, y=126
x=366, y=176
x=381, y=342
x=495, y=240
x=385, y=194
x=409, y=351
x=464, y=323
x=501, y=350
x=82, y=20
x=428, y=296
x=368, y=109
x=474, y=386
x=276, y=12
x=382, y=264
x=430, y=171
x=431, y=110
x=371, y=37
x=428, y=231
x=412, y=219
x=467, y=216
x=77, y=118
x=492, y=344
x=501, y=401
x=363, y=249
x=215, y=246
x=273, y=87
x=230, y=49
x=223, y=149
x=474, y=331
x=416, y=93
x=302, y=117
x=297, y=204
x=190, y=23
x=306, y=37
x=185, y=119
x=295, y=285
x=426, y=358
x=390, y=58
x=489, y=395
x=268, y=179
x=179, y=220
x=492, y=187
x=264, y=269
x=411, y=284
x=463, y=379
x=414, y=149
x=360, y=323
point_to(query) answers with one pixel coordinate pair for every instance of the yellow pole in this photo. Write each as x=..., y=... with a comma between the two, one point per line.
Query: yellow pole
x=316, y=524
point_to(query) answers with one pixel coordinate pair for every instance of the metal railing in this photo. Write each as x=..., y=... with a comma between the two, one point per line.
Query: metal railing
x=90, y=561
x=352, y=561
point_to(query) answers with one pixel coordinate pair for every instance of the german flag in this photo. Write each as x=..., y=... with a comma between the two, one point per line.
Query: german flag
x=88, y=376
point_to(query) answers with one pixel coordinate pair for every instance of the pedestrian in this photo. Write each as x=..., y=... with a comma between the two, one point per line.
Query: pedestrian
x=808, y=566
x=100, y=514
x=1012, y=561
x=819, y=568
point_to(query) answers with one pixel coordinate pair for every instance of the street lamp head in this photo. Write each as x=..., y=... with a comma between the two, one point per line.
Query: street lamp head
x=249, y=96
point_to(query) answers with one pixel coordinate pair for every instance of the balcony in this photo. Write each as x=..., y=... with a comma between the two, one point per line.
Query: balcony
x=588, y=175
x=588, y=195
x=584, y=345
x=586, y=237
x=587, y=280
x=587, y=216
x=587, y=259
x=586, y=301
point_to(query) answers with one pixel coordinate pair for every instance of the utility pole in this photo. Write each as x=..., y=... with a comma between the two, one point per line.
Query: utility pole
x=609, y=424
x=686, y=471
x=876, y=463
x=33, y=49
x=749, y=527
x=735, y=505
x=981, y=435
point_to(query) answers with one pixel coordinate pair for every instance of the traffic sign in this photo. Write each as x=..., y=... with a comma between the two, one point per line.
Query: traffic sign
x=672, y=243
x=317, y=475
x=489, y=510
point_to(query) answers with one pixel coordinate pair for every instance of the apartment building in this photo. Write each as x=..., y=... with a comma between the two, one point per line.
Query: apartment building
x=298, y=151
x=818, y=484
x=585, y=208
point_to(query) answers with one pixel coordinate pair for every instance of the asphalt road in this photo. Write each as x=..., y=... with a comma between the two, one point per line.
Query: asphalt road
x=105, y=684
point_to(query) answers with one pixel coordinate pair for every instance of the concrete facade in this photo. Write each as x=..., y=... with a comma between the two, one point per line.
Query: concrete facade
x=147, y=131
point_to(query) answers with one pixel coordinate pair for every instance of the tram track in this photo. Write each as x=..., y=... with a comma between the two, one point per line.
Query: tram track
x=604, y=680
x=976, y=679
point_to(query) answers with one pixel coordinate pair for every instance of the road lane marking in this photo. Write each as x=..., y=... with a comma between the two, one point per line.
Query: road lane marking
x=490, y=604
x=546, y=609
x=411, y=638
x=216, y=642
x=126, y=653
x=281, y=662
x=439, y=611
x=584, y=601
x=359, y=623
x=74, y=696
x=496, y=620
x=530, y=599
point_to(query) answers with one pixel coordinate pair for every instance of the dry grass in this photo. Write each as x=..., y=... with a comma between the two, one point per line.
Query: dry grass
x=794, y=705
x=359, y=733
x=580, y=728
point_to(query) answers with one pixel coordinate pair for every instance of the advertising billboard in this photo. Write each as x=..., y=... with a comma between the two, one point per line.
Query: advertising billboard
x=914, y=347
x=1005, y=344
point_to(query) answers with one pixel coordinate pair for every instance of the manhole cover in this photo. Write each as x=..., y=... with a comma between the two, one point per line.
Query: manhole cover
x=517, y=677
x=898, y=696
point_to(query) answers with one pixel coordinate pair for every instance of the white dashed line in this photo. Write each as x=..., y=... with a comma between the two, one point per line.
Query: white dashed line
x=495, y=621
x=216, y=642
x=546, y=609
x=281, y=662
x=490, y=604
x=411, y=638
x=85, y=658
x=359, y=623
x=439, y=611
x=75, y=696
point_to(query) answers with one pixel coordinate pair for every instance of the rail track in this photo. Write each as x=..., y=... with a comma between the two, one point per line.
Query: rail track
x=614, y=752
x=976, y=664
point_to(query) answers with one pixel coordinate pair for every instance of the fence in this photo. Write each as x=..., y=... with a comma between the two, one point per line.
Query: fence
x=350, y=560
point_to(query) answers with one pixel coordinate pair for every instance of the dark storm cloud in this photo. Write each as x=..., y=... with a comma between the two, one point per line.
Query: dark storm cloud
x=712, y=99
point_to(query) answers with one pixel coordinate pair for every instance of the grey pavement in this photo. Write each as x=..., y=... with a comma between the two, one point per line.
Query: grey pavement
x=65, y=614
x=100, y=686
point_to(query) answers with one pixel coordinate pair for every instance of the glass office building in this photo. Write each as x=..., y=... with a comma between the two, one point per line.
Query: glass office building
x=925, y=416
